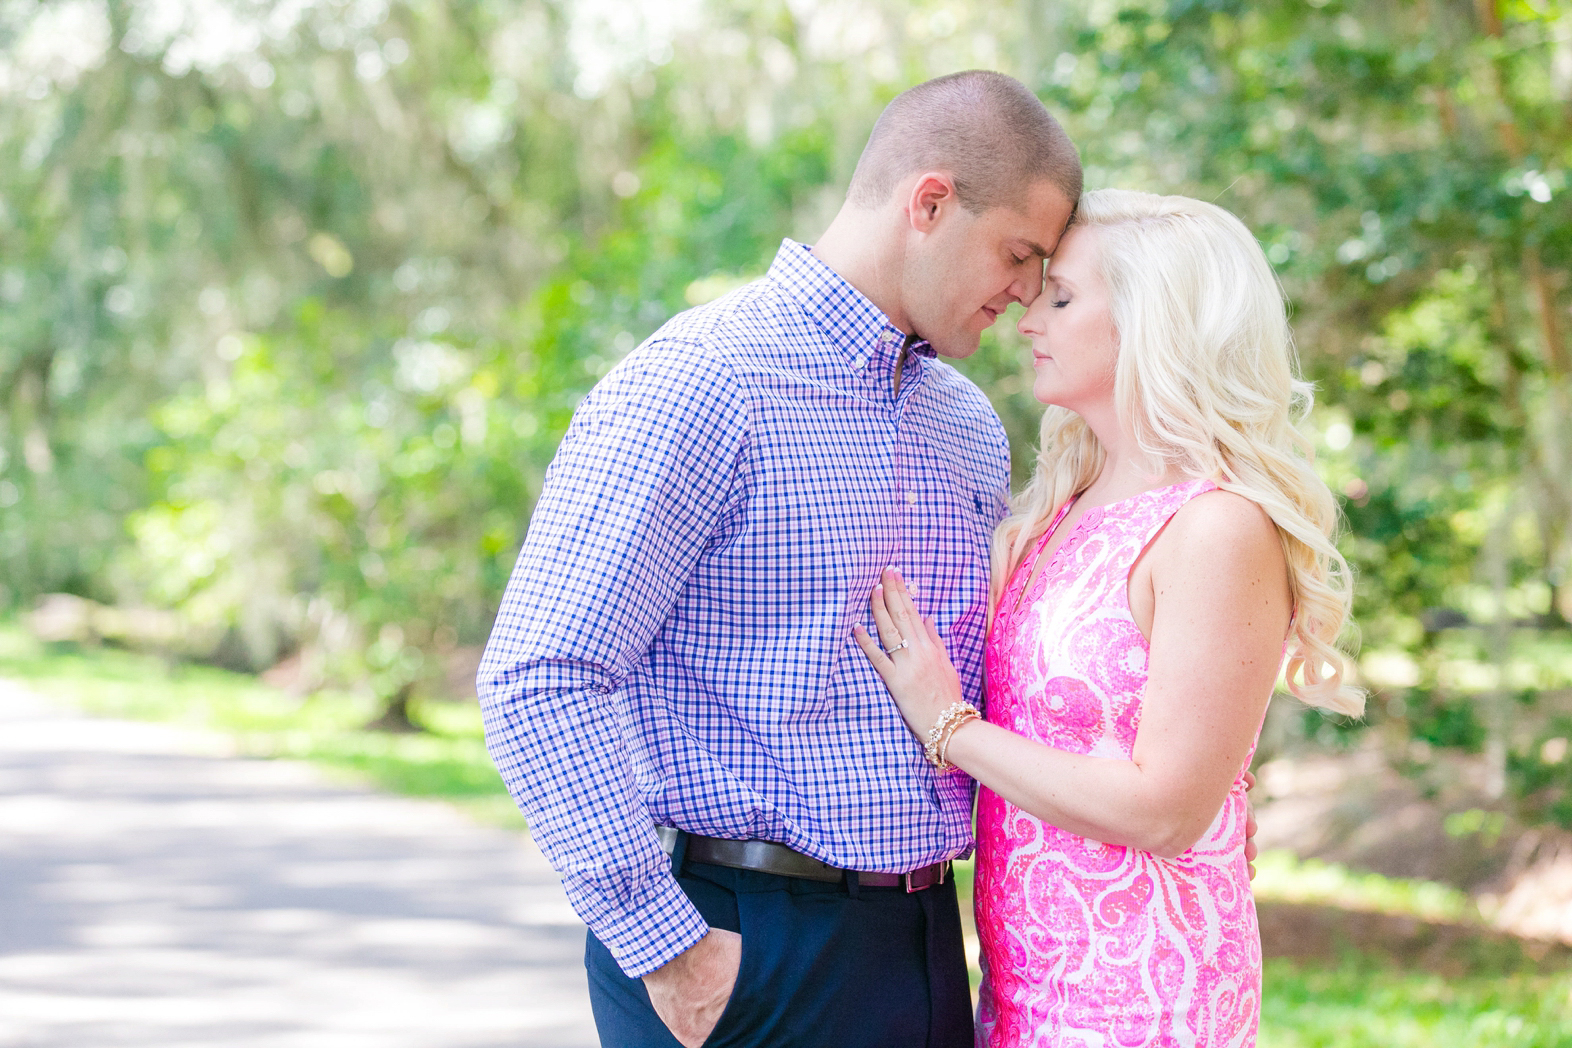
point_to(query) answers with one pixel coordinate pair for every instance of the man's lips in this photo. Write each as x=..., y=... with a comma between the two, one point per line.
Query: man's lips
x=993, y=314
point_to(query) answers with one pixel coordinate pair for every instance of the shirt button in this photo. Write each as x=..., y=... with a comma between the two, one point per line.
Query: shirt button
x=911, y=498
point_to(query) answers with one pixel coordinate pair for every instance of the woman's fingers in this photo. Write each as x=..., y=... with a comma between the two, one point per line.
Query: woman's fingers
x=881, y=662
x=903, y=610
x=896, y=616
x=932, y=629
x=889, y=634
x=899, y=602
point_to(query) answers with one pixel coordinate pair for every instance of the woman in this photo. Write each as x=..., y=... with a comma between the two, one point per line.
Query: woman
x=1172, y=546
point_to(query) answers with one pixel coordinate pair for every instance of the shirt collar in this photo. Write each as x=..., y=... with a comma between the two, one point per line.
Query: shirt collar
x=842, y=312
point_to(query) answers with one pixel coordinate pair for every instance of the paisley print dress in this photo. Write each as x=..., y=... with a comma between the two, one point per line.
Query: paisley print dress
x=1088, y=944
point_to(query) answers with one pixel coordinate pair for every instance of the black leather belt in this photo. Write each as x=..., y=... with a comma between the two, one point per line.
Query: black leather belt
x=769, y=857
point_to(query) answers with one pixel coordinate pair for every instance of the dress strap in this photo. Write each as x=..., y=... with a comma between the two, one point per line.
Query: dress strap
x=1163, y=504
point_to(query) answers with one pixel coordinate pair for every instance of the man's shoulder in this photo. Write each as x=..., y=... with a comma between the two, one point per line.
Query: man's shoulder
x=758, y=312
x=706, y=338
x=703, y=355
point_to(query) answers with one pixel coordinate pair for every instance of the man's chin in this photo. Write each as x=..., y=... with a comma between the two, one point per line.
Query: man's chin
x=957, y=347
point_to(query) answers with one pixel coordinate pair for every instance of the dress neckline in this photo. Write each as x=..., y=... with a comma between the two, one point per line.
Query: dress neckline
x=1087, y=521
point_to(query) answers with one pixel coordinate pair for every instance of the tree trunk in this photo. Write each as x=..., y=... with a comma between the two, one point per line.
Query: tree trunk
x=395, y=717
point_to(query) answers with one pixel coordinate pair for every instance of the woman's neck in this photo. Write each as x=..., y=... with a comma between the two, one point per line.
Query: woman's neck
x=1127, y=470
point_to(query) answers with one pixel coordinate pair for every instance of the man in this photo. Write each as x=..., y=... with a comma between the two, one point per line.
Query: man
x=675, y=647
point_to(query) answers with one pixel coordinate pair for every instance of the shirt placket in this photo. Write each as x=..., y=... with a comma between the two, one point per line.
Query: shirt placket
x=907, y=482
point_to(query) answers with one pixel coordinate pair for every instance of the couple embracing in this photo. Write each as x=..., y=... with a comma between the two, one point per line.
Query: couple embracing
x=778, y=624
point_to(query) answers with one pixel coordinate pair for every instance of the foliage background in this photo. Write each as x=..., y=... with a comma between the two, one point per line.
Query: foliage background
x=297, y=297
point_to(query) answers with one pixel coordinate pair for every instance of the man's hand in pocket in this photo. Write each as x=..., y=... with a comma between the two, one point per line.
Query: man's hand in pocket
x=690, y=992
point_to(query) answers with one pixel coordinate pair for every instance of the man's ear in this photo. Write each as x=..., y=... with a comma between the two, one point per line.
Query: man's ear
x=932, y=194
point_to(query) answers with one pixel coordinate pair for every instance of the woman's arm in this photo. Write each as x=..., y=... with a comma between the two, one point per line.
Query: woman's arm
x=1220, y=613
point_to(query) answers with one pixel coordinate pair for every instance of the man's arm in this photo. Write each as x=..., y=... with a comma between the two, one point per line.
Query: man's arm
x=640, y=484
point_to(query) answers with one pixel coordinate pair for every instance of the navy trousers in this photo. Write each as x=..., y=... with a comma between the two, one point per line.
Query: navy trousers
x=822, y=964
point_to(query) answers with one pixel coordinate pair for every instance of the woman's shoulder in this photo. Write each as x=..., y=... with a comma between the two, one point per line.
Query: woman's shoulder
x=1218, y=526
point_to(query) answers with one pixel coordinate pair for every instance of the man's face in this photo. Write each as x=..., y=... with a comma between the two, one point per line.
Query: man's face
x=969, y=267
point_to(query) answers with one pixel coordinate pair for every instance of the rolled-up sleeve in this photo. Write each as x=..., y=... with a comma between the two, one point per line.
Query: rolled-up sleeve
x=645, y=476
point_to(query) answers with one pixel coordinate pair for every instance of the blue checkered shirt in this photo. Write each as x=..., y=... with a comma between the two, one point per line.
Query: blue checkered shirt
x=675, y=645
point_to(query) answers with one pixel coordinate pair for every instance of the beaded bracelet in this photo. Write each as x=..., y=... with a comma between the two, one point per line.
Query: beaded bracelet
x=944, y=745
x=954, y=715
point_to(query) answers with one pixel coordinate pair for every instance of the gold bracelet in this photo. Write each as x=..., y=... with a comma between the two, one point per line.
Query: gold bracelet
x=931, y=748
x=944, y=746
x=954, y=715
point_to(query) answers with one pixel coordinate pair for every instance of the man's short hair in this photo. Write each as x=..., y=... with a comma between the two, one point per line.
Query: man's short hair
x=987, y=130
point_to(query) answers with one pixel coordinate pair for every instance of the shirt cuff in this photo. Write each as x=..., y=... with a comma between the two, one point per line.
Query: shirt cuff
x=647, y=936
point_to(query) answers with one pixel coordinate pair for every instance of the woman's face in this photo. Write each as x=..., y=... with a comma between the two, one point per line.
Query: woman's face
x=1075, y=346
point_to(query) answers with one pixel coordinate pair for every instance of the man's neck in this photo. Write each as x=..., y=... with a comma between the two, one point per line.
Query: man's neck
x=857, y=246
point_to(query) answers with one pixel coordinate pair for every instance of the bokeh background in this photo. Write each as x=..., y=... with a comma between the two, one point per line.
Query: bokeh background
x=298, y=296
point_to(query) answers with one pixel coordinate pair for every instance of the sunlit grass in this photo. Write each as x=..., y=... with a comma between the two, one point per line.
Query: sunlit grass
x=446, y=761
x=1282, y=876
x=1357, y=1004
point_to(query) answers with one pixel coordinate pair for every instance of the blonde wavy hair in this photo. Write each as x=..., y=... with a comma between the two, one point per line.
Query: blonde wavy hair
x=1206, y=382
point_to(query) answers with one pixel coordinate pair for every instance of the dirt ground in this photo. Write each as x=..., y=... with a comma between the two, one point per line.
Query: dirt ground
x=1439, y=823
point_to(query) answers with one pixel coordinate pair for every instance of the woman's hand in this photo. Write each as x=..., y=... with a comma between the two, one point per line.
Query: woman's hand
x=913, y=662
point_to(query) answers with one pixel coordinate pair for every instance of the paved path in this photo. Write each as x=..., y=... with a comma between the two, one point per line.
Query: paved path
x=157, y=892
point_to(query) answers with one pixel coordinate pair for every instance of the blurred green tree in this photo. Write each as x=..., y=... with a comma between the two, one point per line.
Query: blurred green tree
x=298, y=298
x=1405, y=165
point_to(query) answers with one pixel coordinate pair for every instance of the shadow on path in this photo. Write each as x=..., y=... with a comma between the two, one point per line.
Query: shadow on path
x=156, y=892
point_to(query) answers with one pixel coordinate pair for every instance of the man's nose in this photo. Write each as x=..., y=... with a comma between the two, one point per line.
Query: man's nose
x=1027, y=289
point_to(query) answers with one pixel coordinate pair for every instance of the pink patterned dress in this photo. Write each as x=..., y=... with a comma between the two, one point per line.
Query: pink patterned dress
x=1084, y=943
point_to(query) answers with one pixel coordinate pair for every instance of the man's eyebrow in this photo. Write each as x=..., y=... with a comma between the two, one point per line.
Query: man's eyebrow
x=1035, y=248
